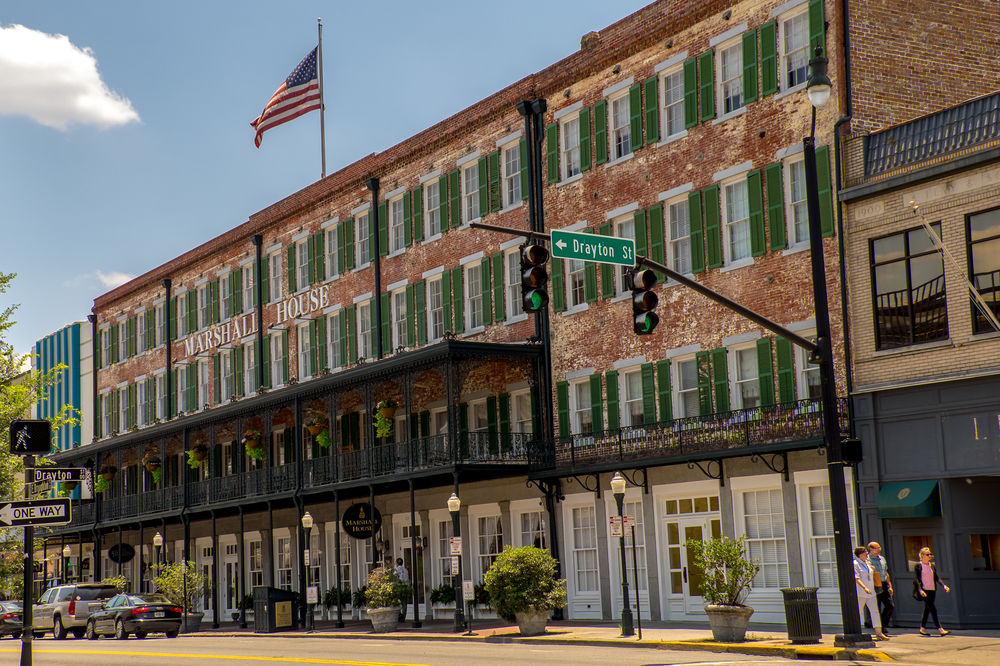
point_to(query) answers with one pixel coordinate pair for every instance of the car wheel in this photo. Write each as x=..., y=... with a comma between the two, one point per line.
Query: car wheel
x=140, y=634
x=58, y=630
x=172, y=634
x=120, y=632
x=91, y=633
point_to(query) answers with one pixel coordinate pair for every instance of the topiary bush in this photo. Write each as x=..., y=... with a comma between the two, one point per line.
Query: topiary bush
x=385, y=589
x=524, y=579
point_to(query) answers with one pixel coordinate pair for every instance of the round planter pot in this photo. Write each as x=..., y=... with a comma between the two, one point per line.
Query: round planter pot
x=315, y=429
x=532, y=623
x=198, y=454
x=387, y=412
x=108, y=476
x=253, y=443
x=729, y=623
x=191, y=623
x=152, y=467
x=70, y=485
x=383, y=620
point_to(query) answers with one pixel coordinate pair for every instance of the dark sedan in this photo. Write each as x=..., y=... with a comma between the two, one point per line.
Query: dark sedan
x=138, y=614
x=11, y=617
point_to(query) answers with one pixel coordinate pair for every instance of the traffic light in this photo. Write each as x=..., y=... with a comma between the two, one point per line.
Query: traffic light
x=644, y=299
x=534, y=278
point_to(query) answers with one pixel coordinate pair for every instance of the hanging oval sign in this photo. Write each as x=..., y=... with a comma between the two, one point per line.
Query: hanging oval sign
x=120, y=553
x=361, y=521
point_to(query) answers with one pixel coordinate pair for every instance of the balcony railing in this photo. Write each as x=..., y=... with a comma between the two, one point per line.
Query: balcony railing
x=784, y=424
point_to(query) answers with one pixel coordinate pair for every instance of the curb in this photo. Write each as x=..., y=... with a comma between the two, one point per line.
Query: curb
x=814, y=652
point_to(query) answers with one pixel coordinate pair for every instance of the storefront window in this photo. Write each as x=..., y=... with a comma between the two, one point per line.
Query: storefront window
x=985, y=551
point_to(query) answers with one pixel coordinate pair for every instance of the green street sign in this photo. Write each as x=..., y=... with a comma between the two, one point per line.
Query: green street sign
x=591, y=247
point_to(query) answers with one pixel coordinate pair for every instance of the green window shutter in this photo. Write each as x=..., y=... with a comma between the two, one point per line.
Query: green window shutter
x=607, y=271
x=420, y=307
x=536, y=424
x=417, y=207
x=706, y=73
x=216, y=310
x=455, y=194
x=130, y=327
x=217, y=377
x=786, y=371
x=383, y=230
x=485, y=184
x=765, y=372
x=446, y=301
x=265, y=280
x=346, y=248
x=344, y=337
x=386, y=323
x=690, y=92
x=172, y=319
x=503, y=413
x=311, y=259
x=562, y=407
x=354, y=423
x=585, y=138
x=596, y=403
x=284, y=356
x=496, y=201
x=499, y=302
x=641, y=235
x=557, y=292
x=611, y=390
x=704, y=367
x=458, y=298
x=236, y=287
x=98, y=420
x=236, y=380
x=313, y=348
x=750, y=66
x=817, y=27
x=411, y=316
x=292, y=286
x=713, y=228
x=775, y=206
x=319, y=256
x=486, y=285
x=266, y=361
x=590, y=279
x=601, y=132
x=635, y=116
x=425, y=424
x=755, y=200
x=648, y=394
x=443, y=201
x=652, y=110
x=98, y=353
x=664, y=390
x=491, y=422
x=552, y=153
x=191, y=399
x=657, y=246
x=114, y=343
x=407, y=220
x=825, y=190
x=720, y=379
x=522, y=151
x=769, y=58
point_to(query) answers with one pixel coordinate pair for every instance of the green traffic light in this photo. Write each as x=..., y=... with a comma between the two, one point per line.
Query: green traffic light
x=535, y=300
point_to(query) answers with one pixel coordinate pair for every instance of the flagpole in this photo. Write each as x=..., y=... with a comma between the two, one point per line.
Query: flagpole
x=322, y=106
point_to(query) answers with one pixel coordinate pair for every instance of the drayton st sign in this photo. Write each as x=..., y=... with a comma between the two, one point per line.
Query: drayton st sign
x=591, y=247
x=35, y=512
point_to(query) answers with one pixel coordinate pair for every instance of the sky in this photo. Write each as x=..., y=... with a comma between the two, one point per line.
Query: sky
x=125, y=134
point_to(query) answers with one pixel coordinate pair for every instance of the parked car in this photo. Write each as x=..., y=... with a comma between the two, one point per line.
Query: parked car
x=11, y=618
x=65, y=608
x=138, y=614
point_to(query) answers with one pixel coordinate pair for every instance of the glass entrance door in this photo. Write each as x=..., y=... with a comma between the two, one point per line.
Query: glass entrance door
x=688, y=519
x=691, y=574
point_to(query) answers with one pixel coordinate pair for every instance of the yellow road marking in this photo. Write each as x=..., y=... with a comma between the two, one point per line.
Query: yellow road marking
x=285, y=660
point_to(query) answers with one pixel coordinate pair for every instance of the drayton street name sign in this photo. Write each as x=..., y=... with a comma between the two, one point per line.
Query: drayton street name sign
x=35, y=512
x=591, y=247
x=57, y=474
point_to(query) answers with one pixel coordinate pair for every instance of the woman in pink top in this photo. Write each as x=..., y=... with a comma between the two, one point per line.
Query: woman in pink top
x=925, y=582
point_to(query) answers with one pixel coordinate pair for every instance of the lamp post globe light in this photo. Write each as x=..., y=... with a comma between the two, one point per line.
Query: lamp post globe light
x=455, y=507
x=818, y=88
x=307, y=525
x=67, y=552
x=618, y=490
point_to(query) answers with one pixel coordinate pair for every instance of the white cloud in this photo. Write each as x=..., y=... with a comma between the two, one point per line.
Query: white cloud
x=113, y=279
x=98, y=280
x=55, y=83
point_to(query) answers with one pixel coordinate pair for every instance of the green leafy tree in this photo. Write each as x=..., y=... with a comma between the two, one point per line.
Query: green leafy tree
x=728, y=572
x=181, y=582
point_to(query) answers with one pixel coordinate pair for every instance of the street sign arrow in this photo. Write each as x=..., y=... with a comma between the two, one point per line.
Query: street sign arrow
x=591, y=247
x=24, y=513
x=56, y=474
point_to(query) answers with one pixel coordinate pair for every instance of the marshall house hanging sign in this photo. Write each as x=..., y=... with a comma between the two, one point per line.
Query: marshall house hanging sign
x=362, y=521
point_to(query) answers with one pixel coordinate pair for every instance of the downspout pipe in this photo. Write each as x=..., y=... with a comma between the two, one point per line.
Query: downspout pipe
x=168, y=381
x=373, y=185
x=258, y=242
x=92, y=466
x=844, y=312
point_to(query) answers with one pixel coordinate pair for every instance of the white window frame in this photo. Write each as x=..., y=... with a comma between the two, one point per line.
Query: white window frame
x=732, y=86
x=739, y=380
x=531, y=528
x=106, y=428
x=398, y=305
x=274, y=266
x=105, y=337
x=668, y=103
x=123, y=341
x=284, y=561
x=161, y=396
x=790, y=166
x=512, y=286
x=583, y=550
x=804, y=369
x=622, y=226
x=576, y=285
x=333, y=359
x=364, y=324
x=395, y=223
x=181, y=315
x=331, y=255
x=732, y=224
x=678, y=245
x=225, y=300
x=435, y=286
x=581, y=416
x=490, y=538
x=569, y=147
x=181, y=394
x=520, y=412
x=805, y=481
x=633, y=373
x=474, y=306
x=277, y=360
x=141, y=417
x=362, y=239
x=249, y=292
x=161, y=325
x=304, y=348
x=203, y=385
x=432, y=213
x=469, y=177
x=680, y=390
x=619, y=134
x=442, y=572
x=203, y=313
x=510, y=180
x=249, y=377
x=226, y=378
x=301, y=265
x=775, y=568
x=785, y=56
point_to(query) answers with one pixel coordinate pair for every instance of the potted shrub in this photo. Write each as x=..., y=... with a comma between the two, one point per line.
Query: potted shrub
x=331, y=596
x=183, y=584
x=382, y=416
x=247, y=608
x=316, y=424
x=727, y=576
x=196, y=456
x=443, y=594
x=523, y=588
x=151, y=462
x=383, y=597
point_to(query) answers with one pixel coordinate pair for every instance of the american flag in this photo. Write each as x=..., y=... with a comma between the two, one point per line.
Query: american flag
x=297, y=95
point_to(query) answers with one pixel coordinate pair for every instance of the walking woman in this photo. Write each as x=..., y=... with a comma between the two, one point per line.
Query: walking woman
x=866, y=592
x=925, y=584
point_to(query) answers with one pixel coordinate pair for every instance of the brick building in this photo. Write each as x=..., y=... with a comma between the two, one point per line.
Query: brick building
x=679, y=126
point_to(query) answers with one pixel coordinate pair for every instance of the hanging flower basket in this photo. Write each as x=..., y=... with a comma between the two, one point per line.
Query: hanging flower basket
x=387, y=408
x=196, y=456
x=323, y=438
x=316, y=424
x=70, y=485
x=251, y=439
x=152, y=465
x=108, y=473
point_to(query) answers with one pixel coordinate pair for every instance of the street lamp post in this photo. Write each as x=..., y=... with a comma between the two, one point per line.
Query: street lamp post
x=157, y=545
x=307, y=525
x=618, y=490
x=455, y=506
x=67, y=552
x=818, y=89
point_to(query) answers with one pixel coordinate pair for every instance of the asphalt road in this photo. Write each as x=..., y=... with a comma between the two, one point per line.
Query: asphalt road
x=215, y=651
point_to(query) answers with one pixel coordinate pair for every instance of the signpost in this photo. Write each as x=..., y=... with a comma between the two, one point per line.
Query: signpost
x=31, y=513
x=591, y=247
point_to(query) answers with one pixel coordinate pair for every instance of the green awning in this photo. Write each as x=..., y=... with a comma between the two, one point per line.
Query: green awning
x=911, y=499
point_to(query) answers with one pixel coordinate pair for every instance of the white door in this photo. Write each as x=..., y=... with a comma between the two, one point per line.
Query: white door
x=229, y=592
x=683, y=579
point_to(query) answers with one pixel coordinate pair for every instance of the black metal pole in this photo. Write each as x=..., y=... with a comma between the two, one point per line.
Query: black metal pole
x=627, y=629
x=258, y=242
x=831, y=421
x=456, y=530
x=28, y=578
x=414, y=570
x=242, y=587
x=373, y=185
x=215, y=569
x=336, y=550
x=308, y=619
x=635, y=579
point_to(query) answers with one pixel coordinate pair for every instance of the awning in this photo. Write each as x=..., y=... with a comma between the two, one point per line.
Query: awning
x=910, y=499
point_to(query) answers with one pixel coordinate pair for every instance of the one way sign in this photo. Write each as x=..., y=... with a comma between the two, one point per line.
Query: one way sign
x=36, y=512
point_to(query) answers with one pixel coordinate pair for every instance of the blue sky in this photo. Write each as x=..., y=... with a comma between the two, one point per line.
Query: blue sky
x=126, y=141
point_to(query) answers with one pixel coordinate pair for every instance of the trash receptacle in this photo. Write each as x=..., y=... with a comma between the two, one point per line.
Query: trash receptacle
x=802, y=614
x=274, y=609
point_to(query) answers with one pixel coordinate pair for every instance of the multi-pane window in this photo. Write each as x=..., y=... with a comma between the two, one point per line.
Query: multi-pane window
x=687, y=388
x=679, y=226
x=123, y=340
x=283, y=571
x=277, y=360
x=520, y=413
x=624, y=228
x=226, y=381
x=533, y=529
x=794, y=50
x=396, y=238
x=747, y=382
x=399, y=319
x=731, y=78
x=143, y=417
x=584, y=549
x=511, y=158
x=161, y=325
x=315, y=558
x=225, y=302
x=808, y=376
x=478, y=420
x=333, y=359
x=512, y=287
x=331, y=252
x=123, y=408
x=304, y=349
x=575, y=282
x=182, y=318
x=105, y=348
x=249, y=292
x=673, y=103
x=249, y=378
x=632, y=398
x=620, y=129
x=984, y=265
x=633, y=509
x=470, y=193
x=365, y=330
x=821, y=551
x=764, y=518
x=798, y=220
x=106, y=415
x=362, y=235
x=490, y=542
x=582, y=417
x=444, y=553
x=203, y=311
x=345, y=559
x=161, y=396
x=737, y=220
x=908, y=277
x=435, y=310
x=182, y=389
x=301, y=265
x=570, y=139
x=202, y=384
x=474, y=296
x=274, y=276
x=432, y=208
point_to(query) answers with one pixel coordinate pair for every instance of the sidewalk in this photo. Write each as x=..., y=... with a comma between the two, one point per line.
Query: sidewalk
x=961, y=647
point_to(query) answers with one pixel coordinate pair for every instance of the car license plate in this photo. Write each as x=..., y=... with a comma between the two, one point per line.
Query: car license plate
x=159, y=614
